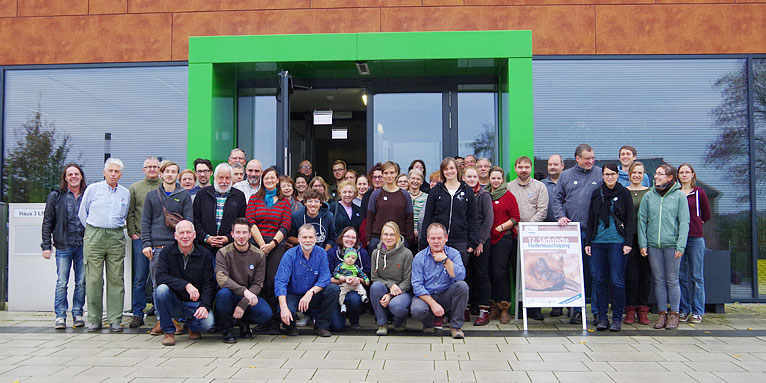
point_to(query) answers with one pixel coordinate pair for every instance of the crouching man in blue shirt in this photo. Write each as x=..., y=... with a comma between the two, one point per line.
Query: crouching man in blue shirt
x=438, y=282
x=303, y=283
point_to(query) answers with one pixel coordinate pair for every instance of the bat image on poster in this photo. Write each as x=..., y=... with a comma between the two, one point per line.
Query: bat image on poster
x=544, y=273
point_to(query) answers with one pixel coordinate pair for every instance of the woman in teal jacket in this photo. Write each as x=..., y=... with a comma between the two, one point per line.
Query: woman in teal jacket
x=663, y=225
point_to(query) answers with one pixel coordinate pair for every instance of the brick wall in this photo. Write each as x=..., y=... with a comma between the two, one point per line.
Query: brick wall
x=86, y=31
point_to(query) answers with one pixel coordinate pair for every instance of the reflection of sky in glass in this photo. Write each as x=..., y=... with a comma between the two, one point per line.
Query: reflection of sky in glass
x=477, y=112
x=145, y=110
x=408, y=126
x=662, y=107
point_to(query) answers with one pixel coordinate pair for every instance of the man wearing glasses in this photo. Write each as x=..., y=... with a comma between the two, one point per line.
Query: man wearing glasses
x=138, y=192
x=203, y=168
x=339, y=170
x=305, y=168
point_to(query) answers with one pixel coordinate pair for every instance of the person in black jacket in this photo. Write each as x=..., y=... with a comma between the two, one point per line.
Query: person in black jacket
x=60, y=220
x=608, y=240
x=214, y=232
x=452, y=204
x=185, y=285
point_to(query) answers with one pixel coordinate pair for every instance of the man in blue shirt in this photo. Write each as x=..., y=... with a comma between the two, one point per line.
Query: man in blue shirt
x=438, y=281
x=103, y=211
x=628, y=155
x=303, y=283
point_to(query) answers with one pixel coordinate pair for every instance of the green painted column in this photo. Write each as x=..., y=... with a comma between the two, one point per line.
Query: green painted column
x=520, y=113
x=212, y=120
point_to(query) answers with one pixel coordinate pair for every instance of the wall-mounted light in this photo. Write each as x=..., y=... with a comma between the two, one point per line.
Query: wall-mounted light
x=362, y=68
x=364, y=99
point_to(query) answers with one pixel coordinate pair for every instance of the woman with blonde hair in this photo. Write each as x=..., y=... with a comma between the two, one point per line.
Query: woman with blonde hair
x=391, y=291
x=317, y=183
x=693, y=263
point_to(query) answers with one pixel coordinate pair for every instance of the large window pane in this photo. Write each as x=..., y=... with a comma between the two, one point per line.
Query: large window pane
x=477, y=124
x=143, y=108
x=759, y=103
x=672, y=111
x=408, y=126
x=257, y=126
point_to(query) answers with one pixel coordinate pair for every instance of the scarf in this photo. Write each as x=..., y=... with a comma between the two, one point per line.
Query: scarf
x=499, y=192
x=662, y=189
x=268, y=199
x=476, y=189
x=607, y=196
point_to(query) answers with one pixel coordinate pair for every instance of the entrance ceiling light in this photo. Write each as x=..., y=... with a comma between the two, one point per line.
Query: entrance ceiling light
x=364, y=99
x=363, y=68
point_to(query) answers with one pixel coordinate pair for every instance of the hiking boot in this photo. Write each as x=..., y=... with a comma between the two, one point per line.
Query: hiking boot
x=630, y=314
x=643, y=315
x=662, y=317
x=672, y=322
x=494, y=311
x=136, y=322
x=483, y=318
x=505, y=314
x=169, y=340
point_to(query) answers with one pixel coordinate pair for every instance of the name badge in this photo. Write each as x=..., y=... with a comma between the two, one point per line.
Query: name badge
x=252, y=267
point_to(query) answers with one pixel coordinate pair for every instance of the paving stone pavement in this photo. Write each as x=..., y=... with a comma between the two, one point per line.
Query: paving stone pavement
x=727, y=347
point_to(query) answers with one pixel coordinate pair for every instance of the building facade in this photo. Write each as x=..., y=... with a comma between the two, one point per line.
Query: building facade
x=682, y=81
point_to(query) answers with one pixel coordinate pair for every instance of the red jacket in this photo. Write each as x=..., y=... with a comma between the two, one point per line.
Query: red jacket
x=504, y=208
x=699, y=211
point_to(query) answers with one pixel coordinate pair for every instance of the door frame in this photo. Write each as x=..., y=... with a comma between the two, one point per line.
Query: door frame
x=213, y=76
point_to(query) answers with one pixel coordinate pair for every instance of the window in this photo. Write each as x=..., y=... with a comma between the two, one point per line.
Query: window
x=477, y=124
x=143, y=108
x=672, y=111
x=759, y=103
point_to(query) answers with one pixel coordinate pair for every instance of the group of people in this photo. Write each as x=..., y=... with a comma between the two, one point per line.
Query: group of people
x=269, y=247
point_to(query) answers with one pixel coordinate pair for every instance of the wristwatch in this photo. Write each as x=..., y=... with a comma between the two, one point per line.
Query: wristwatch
x=444, y=261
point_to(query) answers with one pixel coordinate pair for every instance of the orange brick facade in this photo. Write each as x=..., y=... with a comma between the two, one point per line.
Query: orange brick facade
x=94, y=31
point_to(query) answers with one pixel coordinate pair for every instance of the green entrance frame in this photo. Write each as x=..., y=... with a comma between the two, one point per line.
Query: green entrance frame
x=216, y=62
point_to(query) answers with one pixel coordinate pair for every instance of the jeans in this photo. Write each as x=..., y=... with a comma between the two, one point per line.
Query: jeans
x=452, y=300
x=502, y=262
x=479, y=282
x=665, y=268
x=225, y=303
x=325, y=303
x=169, y=306
x=66, y=259
x=140, y=276
x=693, y=270
x=398, y=306
x=353, y=309
x=607, y=261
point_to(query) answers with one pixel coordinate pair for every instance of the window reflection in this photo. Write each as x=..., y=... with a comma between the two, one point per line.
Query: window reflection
x=477, y=124
x=143, y=108
x=257, y=127
x=759, y=103
x=672, y=111
x=408, y=126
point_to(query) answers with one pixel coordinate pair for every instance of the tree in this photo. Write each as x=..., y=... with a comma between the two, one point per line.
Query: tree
x=730, y=151
x=35, y=164
x=484, y=144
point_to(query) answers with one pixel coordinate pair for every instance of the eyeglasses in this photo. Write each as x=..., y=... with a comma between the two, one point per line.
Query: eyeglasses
x=305, y=166
x=610, y=174
x=377, y=177
x=685, y=172
x=151, y=167
x=338, y=170
x=203, y=171
x=349, y=237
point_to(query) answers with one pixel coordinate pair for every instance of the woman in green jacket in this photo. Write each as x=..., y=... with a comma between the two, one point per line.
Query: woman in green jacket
x=663, y=225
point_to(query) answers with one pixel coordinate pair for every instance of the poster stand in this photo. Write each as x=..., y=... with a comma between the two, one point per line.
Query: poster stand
x=549, y=268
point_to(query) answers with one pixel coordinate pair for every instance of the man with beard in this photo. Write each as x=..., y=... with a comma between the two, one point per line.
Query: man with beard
x=303, y=283
x=252, y=183
x=532, y=198
x=215, y=209
x=202, y=168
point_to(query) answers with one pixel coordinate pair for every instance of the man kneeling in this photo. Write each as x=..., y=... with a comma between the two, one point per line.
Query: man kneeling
x=438, y=279
x=185, y=285
x=240, y=269
x=303, y=283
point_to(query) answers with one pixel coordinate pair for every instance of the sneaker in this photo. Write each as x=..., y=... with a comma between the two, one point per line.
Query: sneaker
x=382, y=330
x=115, y=327
x=556, y=312
x=343, y=308
x=535, y=313
x=356, y=327
x=400, y=325
x=60, y=324
x=93, y=327
x=137, y=321
x=684, y=317
x=616, y=326
x=227, y=336
x=603, y=325
x=428, y=330
x=696, y=318
x=365, y=299
x=79, y=321
x=439, y=322
x=456, y=333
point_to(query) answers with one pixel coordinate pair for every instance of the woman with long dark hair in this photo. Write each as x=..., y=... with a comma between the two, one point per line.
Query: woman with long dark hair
x=348, y=238
x=609, y=238
x=663, y=227
x=692, y=305
x=478, y=263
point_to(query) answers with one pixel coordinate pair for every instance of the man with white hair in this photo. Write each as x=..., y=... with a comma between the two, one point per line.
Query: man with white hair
x=215, y=209
x=103, y=212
